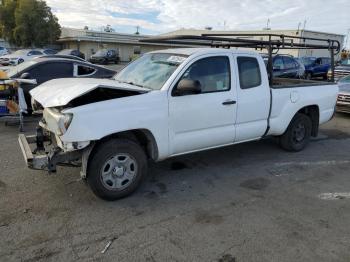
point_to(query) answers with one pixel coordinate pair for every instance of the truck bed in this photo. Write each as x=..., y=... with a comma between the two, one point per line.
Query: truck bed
x=290, y=82
x=291, y=95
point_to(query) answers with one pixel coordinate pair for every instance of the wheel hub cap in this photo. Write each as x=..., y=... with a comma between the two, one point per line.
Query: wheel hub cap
x=299, y=133
x=118, y=171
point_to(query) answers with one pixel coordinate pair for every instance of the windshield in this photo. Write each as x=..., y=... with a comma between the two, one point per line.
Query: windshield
x=344, y=87
x=102, y=52
x=345, y=62
x=65, y=52
x=18, y=68
x=345, y=79
x=308, y=60
x=150, y=70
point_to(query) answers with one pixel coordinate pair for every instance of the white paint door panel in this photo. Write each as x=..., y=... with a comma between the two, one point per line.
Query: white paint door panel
x=202, y=121
x=253, y=96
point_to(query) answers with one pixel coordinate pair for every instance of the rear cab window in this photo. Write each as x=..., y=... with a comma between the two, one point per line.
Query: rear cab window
x=249, y=72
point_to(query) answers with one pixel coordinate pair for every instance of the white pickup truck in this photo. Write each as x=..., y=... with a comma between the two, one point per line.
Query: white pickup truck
x=168, y=103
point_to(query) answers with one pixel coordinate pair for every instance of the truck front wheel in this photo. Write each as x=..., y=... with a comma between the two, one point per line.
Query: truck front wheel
x=116, y=169
x=298, y=133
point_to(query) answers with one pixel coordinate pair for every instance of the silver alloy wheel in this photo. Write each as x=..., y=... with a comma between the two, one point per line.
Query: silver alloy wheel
x=118, y=172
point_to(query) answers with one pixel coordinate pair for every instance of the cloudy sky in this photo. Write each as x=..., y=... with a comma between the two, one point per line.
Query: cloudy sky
x=159, y=16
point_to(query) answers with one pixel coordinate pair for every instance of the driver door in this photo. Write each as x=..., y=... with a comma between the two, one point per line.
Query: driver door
x=207, y=119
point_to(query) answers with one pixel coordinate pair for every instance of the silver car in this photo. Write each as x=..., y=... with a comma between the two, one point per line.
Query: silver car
x=343, y=102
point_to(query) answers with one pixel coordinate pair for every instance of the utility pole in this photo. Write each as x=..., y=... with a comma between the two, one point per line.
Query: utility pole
x=137, y=30
x=267, y=25
x=347, y=39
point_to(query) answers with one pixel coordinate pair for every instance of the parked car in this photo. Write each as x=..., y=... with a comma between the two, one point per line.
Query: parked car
x=3, y=51
x=19, y=57
x=45, y=68
x=72, y=52
x=105, y=56
x=48, y=51
x=316, y=66
x=341, y=70
x=286, y=66
x=343, y=102
x=169, y=103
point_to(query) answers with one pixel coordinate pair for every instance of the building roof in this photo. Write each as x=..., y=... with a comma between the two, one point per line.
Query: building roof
x=204, y=50
x=191, y=31
x=72, y=34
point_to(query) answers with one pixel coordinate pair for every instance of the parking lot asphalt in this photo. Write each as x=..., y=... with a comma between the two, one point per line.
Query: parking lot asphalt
x=248, y=202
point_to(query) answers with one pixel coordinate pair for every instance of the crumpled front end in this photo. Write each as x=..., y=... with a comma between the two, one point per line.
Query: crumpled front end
x=45, y=150
x=41, y=151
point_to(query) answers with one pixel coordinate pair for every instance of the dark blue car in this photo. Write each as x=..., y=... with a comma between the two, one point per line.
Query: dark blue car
x=316, y=66
x=286, y=66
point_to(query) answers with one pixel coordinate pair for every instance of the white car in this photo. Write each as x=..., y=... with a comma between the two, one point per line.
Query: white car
x=19, y=57
x=3, y=51
x=169, y=103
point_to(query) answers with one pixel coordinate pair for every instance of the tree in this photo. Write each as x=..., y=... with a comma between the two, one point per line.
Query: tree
x=31, y=23
x=7, y=19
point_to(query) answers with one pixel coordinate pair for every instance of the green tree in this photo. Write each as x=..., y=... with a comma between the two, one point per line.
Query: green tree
x=7, y=19
x=31, y=23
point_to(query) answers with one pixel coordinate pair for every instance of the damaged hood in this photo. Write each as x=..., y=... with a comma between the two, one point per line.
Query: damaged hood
x=59, y=92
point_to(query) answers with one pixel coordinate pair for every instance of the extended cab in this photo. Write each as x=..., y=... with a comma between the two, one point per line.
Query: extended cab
x=169, y=103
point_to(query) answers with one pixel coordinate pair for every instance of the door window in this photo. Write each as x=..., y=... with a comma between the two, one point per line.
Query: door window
x=318, y=61
x=82, y=70
x=289, y=63
x=48, y=71
x=278, y=63
x=213, y=73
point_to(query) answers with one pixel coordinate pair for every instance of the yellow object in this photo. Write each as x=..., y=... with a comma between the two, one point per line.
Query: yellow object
x=3, y=75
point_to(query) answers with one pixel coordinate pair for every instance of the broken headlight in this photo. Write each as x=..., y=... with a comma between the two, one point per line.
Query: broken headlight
x=57, y=122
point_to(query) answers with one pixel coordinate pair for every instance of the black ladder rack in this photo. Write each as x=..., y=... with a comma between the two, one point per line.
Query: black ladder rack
x=274, y=42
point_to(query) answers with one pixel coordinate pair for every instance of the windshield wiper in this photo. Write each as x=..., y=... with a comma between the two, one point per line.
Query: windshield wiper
x=133, y=84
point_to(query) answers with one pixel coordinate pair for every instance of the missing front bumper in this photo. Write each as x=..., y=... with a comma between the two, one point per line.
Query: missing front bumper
x=45, y=160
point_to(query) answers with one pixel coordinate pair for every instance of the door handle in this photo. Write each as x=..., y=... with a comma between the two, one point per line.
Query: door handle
x=229, y=102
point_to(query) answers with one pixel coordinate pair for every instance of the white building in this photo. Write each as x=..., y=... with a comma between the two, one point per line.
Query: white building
x=88, y=41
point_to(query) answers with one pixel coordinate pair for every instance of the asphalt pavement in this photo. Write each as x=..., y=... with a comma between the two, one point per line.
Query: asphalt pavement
x=248, y=202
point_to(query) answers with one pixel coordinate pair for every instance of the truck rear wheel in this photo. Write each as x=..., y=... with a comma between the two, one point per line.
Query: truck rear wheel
x=116, y=169
x=298, y=133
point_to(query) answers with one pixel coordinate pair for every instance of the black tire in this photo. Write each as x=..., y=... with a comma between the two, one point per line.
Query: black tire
x=308, y=76
x=298, y=133
x=105, y=153
x=20, y=61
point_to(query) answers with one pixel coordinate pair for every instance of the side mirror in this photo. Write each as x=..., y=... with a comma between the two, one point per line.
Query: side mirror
x=188, y=87
x=25, y=75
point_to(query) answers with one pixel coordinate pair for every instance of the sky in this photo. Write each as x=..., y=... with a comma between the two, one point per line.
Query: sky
x=161, y=16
